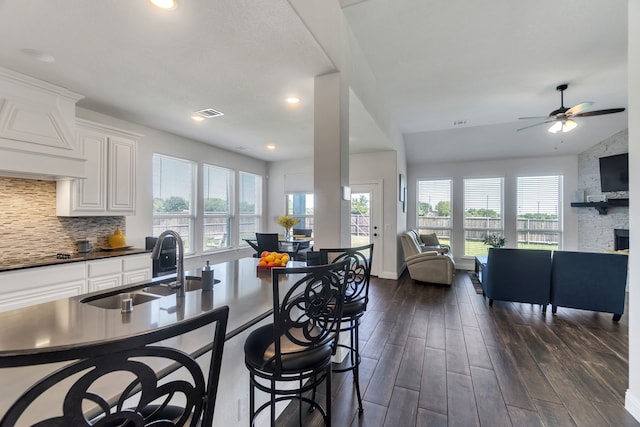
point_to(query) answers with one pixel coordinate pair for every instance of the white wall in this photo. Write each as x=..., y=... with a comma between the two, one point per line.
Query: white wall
x=509, y=169
x=632, y=402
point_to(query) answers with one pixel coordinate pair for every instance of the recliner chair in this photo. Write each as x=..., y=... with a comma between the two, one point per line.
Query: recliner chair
x=429, y=266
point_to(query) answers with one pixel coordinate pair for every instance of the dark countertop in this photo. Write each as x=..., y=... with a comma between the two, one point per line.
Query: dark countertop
x=75, y=257
x=69, y=321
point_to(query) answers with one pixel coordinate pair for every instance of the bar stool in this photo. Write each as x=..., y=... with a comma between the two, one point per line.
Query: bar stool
x=355, y=303
x=298, y=345
x=127, y=363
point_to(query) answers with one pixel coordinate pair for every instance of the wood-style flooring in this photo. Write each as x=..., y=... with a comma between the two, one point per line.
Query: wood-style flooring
x=440, y=356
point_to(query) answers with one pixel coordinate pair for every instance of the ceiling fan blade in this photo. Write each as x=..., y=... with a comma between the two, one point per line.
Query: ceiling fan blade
x=600, y=112
x=577, y=108
x=532, y=117
x=534, y=125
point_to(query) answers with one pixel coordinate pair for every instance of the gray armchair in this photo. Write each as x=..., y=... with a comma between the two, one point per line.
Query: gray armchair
x=426, y=266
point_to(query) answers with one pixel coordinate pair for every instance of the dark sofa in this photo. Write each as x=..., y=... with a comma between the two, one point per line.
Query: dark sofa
x=583, y=280
x=519, y=275
x=589, y=281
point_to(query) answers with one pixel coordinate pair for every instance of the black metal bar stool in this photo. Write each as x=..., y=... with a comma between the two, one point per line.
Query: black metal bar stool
x=142, y=397
x=298, y=345
x=355, y=303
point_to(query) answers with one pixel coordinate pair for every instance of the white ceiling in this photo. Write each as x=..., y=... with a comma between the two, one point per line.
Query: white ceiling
x=435, y=62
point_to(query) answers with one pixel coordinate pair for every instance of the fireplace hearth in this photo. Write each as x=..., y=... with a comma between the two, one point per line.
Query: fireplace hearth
x=620, y=239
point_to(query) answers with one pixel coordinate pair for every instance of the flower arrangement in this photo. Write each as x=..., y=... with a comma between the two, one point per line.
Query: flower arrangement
x=494, y=240
x=287, y=222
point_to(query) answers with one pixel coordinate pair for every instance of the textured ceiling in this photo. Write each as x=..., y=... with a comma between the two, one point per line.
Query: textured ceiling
x=435, y=62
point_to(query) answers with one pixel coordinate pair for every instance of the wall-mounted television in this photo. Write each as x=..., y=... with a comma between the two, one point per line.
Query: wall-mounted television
x=614, y=173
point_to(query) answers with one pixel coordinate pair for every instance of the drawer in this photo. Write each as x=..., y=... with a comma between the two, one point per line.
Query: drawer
x=104, y=267
x=136, y=262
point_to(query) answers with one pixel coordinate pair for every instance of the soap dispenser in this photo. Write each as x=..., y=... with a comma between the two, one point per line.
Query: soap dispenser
x=207, y=277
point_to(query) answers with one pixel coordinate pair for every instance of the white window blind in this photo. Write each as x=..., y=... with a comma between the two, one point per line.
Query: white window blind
x=539, y=203
x=434, y=208
x=173, y=197
x=217, y=207
x=250, y=206
x=482, y=213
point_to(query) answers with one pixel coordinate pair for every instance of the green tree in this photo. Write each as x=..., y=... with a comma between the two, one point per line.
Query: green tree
x=360, y=206
x=247, y=208
x=423, y=208
x=537, y=216
x=216, y=205
x=443, y=208
x=481, y=213
x=158, y=205
x=175, y=204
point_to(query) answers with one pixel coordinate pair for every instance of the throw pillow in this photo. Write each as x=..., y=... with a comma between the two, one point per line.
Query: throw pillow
x=430, y=239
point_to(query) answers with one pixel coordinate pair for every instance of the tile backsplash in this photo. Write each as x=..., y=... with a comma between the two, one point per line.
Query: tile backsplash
x=30, y=227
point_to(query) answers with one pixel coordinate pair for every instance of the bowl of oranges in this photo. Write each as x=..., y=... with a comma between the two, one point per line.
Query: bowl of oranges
x=268, y=260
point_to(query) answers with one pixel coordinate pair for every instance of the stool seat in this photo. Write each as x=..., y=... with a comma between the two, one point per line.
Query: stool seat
x=259, y=351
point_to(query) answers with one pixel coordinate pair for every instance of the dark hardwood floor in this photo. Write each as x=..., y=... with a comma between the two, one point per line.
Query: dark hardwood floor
x=440, y=356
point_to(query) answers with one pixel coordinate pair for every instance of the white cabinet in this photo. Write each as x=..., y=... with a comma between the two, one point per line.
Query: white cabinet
x=109, y=188
x=37, y=128
x=30, y=286
x=136, y=268
x=104, y=274
x=109, y=273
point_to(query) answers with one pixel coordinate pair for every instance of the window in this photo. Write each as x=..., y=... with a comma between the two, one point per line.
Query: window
x=217, y=217
x=300, y=206
x=482, y=213
x=538, y=223
x=173, y=197
x=434, y=209
x=250, y=206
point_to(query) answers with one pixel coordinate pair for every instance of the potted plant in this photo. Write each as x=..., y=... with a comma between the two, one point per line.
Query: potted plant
x=494, y=240
x=287, y=222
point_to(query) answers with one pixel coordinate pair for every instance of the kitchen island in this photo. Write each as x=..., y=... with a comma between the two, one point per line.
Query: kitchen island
x=70, y=321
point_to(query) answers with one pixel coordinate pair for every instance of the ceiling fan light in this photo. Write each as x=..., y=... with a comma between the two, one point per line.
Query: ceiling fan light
x=569, y=125
x=556, y=127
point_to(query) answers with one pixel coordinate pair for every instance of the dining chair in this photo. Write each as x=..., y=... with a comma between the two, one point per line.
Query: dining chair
x=267, y=242
x=306, y=232
x=355, y=304
x=296, y=349
x=124, y=382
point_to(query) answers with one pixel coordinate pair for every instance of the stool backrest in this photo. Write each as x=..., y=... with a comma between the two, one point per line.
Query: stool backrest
x=123, y=379
x=359, y=270
x=309, y=312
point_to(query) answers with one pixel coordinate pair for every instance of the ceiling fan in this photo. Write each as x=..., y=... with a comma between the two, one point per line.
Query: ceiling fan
x=562, y=118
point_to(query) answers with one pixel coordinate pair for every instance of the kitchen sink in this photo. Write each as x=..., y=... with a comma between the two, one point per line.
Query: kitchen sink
x=192, y=283
x=113, y=302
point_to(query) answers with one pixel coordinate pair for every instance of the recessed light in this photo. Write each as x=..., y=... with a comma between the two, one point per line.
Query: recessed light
x=38, y=55
x=293, y=100
x=165, y=4
x=271, y=146
x=197, y=118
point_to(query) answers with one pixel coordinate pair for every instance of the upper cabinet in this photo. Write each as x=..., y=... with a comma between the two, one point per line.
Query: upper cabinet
x=109, y=188
x=37, y=124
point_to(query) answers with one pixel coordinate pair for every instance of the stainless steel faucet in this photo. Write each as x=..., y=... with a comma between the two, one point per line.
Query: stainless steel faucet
x=155, y=254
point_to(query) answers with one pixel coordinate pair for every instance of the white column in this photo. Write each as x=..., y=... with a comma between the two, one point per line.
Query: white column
x=632, y=400
x=331, y=219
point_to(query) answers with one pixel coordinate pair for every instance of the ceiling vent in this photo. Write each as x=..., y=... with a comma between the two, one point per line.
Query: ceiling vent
x=208, y=113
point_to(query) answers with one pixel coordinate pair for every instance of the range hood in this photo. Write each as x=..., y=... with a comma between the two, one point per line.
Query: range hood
x=37, y=129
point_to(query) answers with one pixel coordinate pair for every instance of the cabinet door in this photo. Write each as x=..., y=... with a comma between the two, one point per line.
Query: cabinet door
x=91, y=193
x=122, y=175
x=103, y=283
x=19, y=299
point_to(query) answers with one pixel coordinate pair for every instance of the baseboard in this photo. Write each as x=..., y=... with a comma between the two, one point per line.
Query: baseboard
x=632, y=404
x=389, y=275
